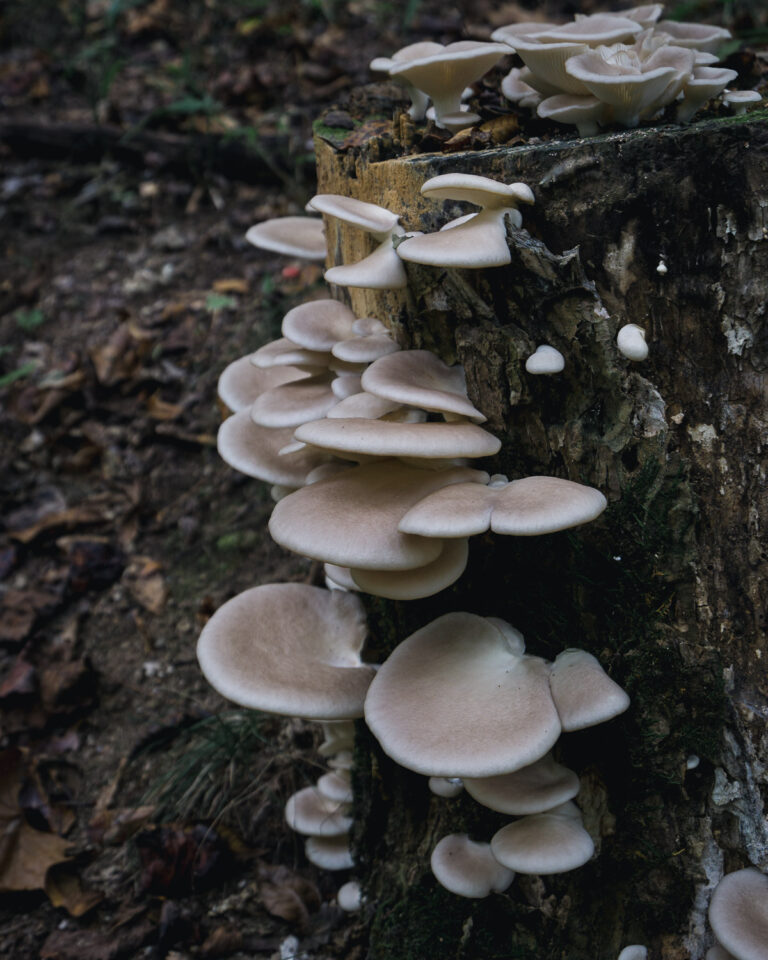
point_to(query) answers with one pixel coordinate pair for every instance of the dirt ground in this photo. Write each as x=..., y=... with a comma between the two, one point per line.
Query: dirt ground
x=140, y=815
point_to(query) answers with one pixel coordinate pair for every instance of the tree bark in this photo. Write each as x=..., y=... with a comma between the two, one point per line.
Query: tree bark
x=668, y=588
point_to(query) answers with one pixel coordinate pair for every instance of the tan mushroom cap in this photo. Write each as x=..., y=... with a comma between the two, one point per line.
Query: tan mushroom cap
x=351, y=519
x=294, y=403
x=583, y=692
x=524, y=508
x=453, y=701
x=314, y=815
x=293, y=236
x=329, y=853
x=419, y=582
x=255, y=451
x=738, y=914
x=365, y=349
x=418, y=378
x=467, y=868
x=241, y=383
x=544, y=843
x=533, y=789
x=357, y=213
x=284, y=352
x=289, y=648
x=319, y=324
x=388, y=438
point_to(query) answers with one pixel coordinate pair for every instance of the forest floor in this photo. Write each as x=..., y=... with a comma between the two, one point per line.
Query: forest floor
x=140, y=815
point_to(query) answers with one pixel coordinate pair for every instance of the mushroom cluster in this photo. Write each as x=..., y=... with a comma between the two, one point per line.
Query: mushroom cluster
x=738, y=915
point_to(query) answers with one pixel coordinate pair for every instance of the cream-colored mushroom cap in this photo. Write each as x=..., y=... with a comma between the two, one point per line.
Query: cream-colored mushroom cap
x=546, y=63
x=446, y=787
x=388, y=438
x=646, y=15
x=381, y=270
x=241, y=383
x=350, y=896
x=738, y=914
x=583, y=692
x=697, y=36
x=338, y=735
x=368, y=407
x=533, y=789
x=289, y=648
x=524, y=508
x=738, y=100
x=357, y=213
x=635, y=951
x=255, y=451
x=365, y=349
x=545, y=360
x=452, y=700
x=314, y=815
x=467, y=868
x=599, y=28
x=706, y=83
x=295, y=403
x=319, y=324
x=293, y=236
x=418, y=378
x=545, y=843
x=585, y=113
x=351, y=519
x=631, y=342
x=483, y=191
x=480, y=242
x=336, y=786
x=329, y=853
x=419, y=582
x=284, y=352
x=339, y=577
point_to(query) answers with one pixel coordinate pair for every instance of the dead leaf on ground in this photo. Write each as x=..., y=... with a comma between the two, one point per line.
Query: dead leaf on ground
x=123, y=940
x=230, y=285
x=287, y=895
x=160, y=409
x=146, y=583
x=65, y=889
x=20, y=611
x=71, y=517
x=122, y=356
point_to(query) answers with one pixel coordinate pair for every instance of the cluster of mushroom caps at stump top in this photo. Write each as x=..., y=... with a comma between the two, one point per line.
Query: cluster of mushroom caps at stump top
x=596, y=71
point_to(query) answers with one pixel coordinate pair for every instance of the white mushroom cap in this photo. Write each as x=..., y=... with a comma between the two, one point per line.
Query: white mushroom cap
x=381, y=270
x=365, y=349
x=338, y=735
x=351, y=519
x=319, y=324
x=467, y=868
x=446, y=787
x=340, y=577
x=368, y=407
x=707, y=82
x=357, y=213
x=289, y=648
x=413, y=51
x=515, y=639
x=631, y=340
x=345, y=385
x=646, y=15
x=634, y=952
x=483, y=191
x=453, y=700
x=478, y=243
x=296, y=402
x=241, y=383
x=350, y=897
x=585, y=113
x=284, y=352
x=329, y=853
x=293, y=236
x=545, y=843
x=697, y=36
x=583, y=692
x=389, y=438
x=419, y=582
x=545, y=360
x=739, y=100
x=738, y=914
x=517, y=90
x=336, y=786
x=594, y=30
x=418, y=378
x=527, y=507
x=314, y=815
x=533, y=789
x=547, y=65
x=256, y=452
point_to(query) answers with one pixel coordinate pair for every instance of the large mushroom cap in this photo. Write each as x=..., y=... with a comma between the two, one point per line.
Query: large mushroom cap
x=420, y=581
x=241, y=383
x=357, y=213
x=533, y=789
x=467, y=868
x=583, y=692
x=314, y=815
x=738, y=914
x=544, y=843
x=255, y=451
x=351, y=519
x=454, y=701
x=289, y=648
x=296, y=402
x=293, y=236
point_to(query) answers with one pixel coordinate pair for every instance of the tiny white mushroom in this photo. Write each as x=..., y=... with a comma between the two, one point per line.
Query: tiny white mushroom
x=661, y=267
x=631, y=342
x=546, y=359
x=447, y=787
x=737, y=101
x=634, y=952
x=350, y=896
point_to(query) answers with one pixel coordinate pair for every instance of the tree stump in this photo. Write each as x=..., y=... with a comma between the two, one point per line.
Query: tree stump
x=668, y=588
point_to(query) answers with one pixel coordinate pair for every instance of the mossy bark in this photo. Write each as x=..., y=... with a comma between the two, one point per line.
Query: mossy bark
x=668, y=588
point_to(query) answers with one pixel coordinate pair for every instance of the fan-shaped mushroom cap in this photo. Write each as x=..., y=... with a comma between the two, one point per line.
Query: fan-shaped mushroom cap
x=418, y=378
x=583, y=692
x=351, y=519
x=369, y=407
x=284, y=352
x=738, y=100
x=707, y=82
x=389, y=438
x=336, y=786
x=314, y=815
x=419, y=582
x=546, y=360
x=365, y=349
x=357, y=213
x=515, y=639
x=241, y=383
x=293, y=403
x=477, y=244
x=646, y=15
x=696, y=36
x=544, y=843
x=631, y=342
x=738, y=914
x=517, y=90
x=329, y=853
x=524, y=508
x=446, y=787
x=453, y=700
x=339, y=577
x=532, y=789
x=293, y=236
x=547, y=65
x=467, y=868
x=255, y=451
x=350, y=896
x=634, y=952
x=594, y=30
x=483, y=191
x=585, y=113
x=289, y=648
x=345, y=385
x=319, y=324
x=381, y=270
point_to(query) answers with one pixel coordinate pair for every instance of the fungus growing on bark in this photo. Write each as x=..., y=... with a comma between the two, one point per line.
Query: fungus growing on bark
x=293, y=236
x=634, y=952
x=706, y=83
x=737, y=101
x=329, y=853
x=314, y=815
x=350, y=897
x=544, y=843
x=446, y=787
x=319, y=325
x=241, y=383
x=631, y=339
x=738, y=914
x=468, y=868
x=583, y=692
x=414, y=51
x=545, y=360
x=533, y=789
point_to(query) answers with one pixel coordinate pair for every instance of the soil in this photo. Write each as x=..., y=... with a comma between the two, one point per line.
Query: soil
x=125, y=290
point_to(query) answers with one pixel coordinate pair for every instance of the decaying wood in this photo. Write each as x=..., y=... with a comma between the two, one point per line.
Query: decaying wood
x=668, y=588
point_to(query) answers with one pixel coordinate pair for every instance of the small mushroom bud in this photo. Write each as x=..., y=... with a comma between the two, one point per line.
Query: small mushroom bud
x=631, y=342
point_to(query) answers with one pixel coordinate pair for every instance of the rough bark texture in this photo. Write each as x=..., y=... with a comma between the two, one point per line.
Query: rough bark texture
x=668, y=588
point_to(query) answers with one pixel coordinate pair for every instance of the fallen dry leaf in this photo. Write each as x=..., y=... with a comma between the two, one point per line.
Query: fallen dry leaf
x=121, y=357
x=146, y=583
x=20, y=610
x=230, y=285
x=160, y=409
x=69, y=518
x=65, y=889
x=287, y=895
